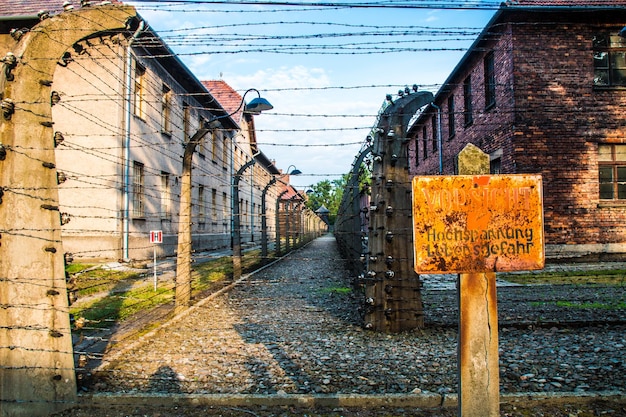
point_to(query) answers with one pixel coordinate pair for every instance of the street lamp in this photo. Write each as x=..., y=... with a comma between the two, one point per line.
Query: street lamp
x=236, y=233
x=183, y=259
x=278, y=200
x=288, y=230
x=264, y=244
x=295, y=171
x=264, y=249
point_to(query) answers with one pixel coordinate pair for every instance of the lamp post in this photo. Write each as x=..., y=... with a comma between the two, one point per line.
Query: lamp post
x=264, y=248
x=289, y=218
x=278, y=199
x=236, y=220
x=183, y=259
x=264, y=219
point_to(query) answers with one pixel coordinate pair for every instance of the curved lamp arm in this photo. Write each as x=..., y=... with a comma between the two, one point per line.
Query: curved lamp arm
x=295, y=171
x=256, y=105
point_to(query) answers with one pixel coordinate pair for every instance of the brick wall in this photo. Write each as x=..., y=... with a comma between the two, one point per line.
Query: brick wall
x=548, y=119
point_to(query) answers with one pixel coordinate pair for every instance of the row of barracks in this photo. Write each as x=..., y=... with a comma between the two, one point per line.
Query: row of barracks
x=124, y=108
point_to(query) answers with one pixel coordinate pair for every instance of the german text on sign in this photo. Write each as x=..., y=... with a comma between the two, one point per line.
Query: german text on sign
x=466, y=223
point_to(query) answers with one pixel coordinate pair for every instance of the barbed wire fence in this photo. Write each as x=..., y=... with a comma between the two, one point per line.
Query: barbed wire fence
x=103, y=300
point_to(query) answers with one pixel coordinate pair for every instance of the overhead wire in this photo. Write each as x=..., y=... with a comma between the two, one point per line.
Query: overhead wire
x=169, y=151
x=414, y=4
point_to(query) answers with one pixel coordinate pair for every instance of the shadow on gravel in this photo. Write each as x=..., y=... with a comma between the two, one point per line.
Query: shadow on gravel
x=253, y=333
x=164, y=380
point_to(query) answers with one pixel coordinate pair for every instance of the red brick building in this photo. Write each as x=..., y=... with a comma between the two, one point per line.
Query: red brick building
x=543, y=90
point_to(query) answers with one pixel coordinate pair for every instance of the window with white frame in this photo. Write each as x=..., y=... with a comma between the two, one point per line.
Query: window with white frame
x=139, y=196
x=166, y=110
x=214, y=204
x=139, y=91
x=214, y=146
x=186, y=121
x=202, y=144
x=201, y=203
x=225, y=209
x=166, y=196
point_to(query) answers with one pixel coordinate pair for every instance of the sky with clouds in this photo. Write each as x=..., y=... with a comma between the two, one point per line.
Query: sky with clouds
x=326, y=70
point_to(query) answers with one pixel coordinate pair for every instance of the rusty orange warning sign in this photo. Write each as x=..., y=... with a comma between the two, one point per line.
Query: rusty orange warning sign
x=468, y=223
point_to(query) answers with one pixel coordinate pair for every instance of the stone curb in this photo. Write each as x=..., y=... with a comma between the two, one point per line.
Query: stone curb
x=422, y=401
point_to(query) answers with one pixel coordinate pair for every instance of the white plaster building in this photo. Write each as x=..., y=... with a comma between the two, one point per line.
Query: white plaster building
x=124, y=108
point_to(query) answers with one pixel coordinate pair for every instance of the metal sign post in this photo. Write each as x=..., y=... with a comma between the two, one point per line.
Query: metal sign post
x=156, y=237
x=475, y=225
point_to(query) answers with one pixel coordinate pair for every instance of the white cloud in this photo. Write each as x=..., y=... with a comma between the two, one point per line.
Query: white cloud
x=307, y=113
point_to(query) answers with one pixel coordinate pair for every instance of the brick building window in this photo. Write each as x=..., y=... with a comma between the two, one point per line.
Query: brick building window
x=468, y=111
x=609, y=60
x=495, y=160
x=417, y=151
x=612, y=171
x=425, y=142
x=490, y=80
x=451, y=125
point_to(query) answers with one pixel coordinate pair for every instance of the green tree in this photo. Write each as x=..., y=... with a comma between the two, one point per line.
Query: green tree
x=328, y=194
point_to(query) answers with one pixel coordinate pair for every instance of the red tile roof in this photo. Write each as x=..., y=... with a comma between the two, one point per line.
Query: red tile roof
x=290, y=192
x=226, y=96
x=30, y=8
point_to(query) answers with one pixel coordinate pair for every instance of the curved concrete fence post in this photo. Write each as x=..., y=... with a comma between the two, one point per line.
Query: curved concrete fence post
x=36, y=358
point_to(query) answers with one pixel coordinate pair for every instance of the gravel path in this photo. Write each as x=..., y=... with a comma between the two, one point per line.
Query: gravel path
x=291, y=329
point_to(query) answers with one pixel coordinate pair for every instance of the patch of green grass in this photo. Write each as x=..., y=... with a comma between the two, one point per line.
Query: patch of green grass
x=118, y=295
x=102, y=280
x=212, y=271
x=119, y=306
x=602, y=277
x=594, y=305
x=617, y=305
x=336, y=290
x=75, y=268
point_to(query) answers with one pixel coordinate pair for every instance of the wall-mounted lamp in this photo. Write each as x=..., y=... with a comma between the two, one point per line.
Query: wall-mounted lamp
x=295, y=171
x=257, y=105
